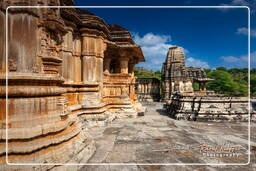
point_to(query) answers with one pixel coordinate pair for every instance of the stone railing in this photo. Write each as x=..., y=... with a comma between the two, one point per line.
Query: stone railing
x=211, y=108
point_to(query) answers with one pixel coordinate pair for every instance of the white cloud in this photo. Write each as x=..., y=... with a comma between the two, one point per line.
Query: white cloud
x=253, y=59
x=230, y=59
x=154, y=47
x=250, y=3
x=240, y=62
x=151, y=39
x=196, y=63
x=237, y=2
x=240, y=2
x=244, y=31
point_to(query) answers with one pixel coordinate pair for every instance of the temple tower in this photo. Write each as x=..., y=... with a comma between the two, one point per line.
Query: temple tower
x=178, y=78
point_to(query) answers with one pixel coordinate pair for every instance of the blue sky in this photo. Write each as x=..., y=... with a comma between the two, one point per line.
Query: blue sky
x=210, y=37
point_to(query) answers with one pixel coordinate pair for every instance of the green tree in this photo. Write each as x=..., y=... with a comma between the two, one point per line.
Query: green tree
x=207, y=70
x=221, y=69
x=196, y=86
x=253, y=85
x=223, y=83
x=253, y=71
x=158, y=72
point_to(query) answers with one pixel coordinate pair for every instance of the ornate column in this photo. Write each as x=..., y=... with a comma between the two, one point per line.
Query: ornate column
x=124, y=65
x=92, y=58
x=77, y=58
x=149, y=88
x=139, y=88
x=2, y=42
x=142, y=88
x=93, y=48
x=146, y=88
x=106, y=63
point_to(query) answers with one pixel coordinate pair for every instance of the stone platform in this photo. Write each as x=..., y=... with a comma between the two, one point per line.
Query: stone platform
x=212, y=108
x=157, y=138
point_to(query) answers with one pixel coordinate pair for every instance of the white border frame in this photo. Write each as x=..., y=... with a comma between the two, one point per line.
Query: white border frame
x=130, y=164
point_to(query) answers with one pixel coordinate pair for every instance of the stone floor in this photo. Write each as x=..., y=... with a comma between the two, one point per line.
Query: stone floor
x=156, y=138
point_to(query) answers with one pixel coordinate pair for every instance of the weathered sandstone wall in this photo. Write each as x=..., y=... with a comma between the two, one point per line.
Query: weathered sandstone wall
x=67, y=70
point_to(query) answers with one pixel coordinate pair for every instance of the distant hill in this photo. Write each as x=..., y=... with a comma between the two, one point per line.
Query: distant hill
x=141, y=72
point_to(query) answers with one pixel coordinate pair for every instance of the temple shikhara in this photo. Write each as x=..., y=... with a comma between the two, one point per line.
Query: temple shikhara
x=67, y=69
x=183, y=102
x=177, y=77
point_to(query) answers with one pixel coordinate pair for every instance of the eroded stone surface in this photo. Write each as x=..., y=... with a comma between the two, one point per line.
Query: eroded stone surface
x=68, y=70
x=156, y=138
x=215, y=108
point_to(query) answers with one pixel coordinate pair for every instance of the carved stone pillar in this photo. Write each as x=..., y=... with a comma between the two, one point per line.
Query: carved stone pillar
x=146, y=88
x=142, y=88
x=77, y=58
x=92, y=59
x=149, y=88
x=106, y=63
x=139, y=89
x=2, y=42
x=124, y=65
x=70, y=67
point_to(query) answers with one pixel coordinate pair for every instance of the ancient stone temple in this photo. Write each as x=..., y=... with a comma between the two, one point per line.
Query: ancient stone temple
x=177, y=77
x=67, y=69
x=183, y=102
x=148, y=89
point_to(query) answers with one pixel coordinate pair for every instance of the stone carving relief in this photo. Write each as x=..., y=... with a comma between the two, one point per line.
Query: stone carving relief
x=49, y=51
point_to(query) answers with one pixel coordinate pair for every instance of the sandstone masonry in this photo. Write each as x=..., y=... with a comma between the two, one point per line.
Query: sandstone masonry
x=148, y=89
x=183, y=102
x=176, y=77
x=67, y=70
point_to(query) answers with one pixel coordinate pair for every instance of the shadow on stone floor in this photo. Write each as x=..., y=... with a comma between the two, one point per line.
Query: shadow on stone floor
x=162, y=112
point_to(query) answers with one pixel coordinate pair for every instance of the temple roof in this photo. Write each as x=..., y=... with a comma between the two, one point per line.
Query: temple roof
x=115, y=27
x=85, y=12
